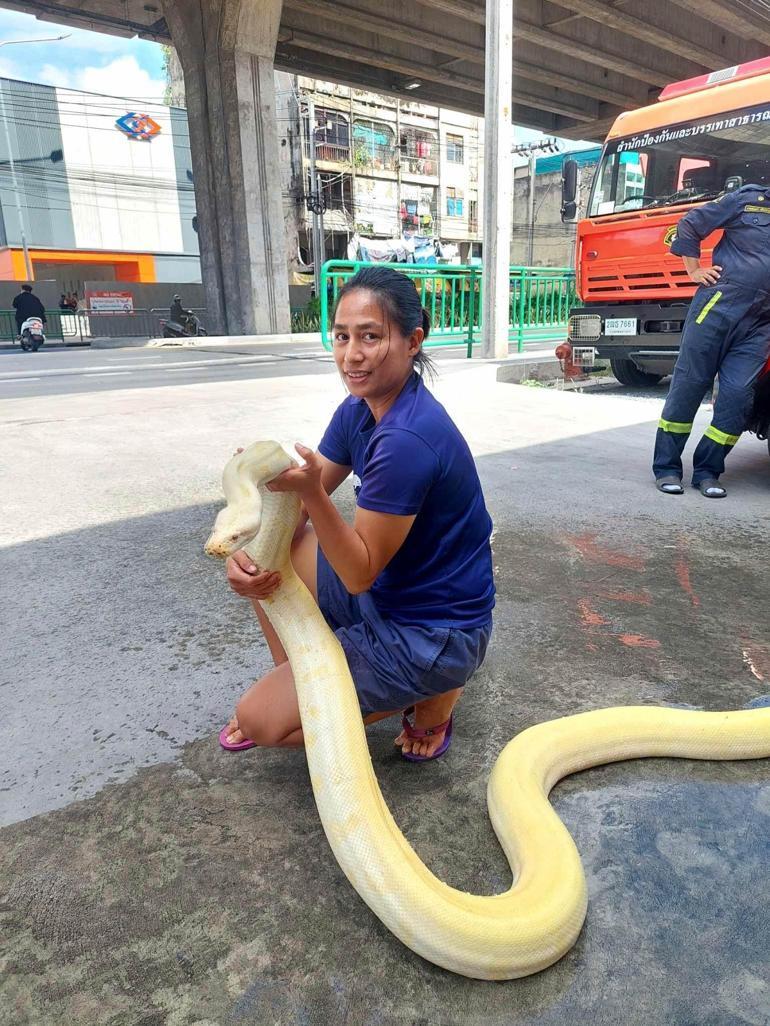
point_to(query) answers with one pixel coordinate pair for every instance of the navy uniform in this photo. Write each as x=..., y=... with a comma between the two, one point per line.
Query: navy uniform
x=727, y=331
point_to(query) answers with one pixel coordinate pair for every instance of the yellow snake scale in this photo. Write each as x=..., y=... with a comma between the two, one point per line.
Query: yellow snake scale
x=539, y=918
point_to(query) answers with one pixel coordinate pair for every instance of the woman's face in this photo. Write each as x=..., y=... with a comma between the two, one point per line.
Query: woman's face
x=372, y=355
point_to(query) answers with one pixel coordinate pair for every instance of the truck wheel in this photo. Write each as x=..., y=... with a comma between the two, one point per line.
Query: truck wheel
x=628, y=373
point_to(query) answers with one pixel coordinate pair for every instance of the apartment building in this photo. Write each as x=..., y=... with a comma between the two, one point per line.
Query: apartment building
x=388, y=169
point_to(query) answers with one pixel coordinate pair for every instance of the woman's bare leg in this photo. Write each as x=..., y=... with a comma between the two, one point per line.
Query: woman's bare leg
x=268, y=713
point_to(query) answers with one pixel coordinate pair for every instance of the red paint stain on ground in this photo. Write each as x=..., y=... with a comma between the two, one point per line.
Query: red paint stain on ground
x=638, y=598
x=589, y=616
x=638, y=641
x=682, y=568
x=590, y=549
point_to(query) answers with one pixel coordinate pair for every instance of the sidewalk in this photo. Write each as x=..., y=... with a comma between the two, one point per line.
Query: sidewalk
x=537, y=360
x=150, y=878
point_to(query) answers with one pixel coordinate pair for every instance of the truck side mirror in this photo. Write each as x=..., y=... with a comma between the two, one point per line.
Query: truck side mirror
x=569, y=177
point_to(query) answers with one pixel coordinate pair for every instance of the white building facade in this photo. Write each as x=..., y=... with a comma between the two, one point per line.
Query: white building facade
x=97, y=187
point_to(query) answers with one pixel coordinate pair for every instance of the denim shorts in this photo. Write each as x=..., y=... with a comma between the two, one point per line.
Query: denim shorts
x=394, y=665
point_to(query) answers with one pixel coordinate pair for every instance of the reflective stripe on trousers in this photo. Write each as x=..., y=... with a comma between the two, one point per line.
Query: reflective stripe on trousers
x=727, y=332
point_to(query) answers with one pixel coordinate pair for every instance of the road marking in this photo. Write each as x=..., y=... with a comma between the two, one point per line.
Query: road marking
x=110, y=374
x=89, y=371
x=18, y=381
x=226, y=366
x=238, y=361
x=135, y=363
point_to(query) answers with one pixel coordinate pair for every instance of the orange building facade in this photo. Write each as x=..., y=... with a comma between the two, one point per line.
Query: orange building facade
x=129, y=267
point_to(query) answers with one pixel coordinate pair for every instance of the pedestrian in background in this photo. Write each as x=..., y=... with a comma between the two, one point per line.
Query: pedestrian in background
x=26, y=304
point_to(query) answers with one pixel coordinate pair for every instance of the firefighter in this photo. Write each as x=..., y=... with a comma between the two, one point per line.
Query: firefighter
x=727, y=332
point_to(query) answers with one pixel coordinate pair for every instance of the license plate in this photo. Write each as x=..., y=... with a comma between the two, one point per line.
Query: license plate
x=620, y=326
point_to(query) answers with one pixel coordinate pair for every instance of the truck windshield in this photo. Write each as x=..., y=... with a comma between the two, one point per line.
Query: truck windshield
x=684, y=163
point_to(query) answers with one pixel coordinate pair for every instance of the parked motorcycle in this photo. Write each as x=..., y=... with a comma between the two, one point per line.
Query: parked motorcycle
x=187, y=327
x=31, y=335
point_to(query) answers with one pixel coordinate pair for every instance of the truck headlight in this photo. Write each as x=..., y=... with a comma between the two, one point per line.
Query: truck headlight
x=584, y=327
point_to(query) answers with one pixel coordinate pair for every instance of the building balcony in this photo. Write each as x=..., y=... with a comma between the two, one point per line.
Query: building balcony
x=334, y=152
x=375, y=158
x=426, y=167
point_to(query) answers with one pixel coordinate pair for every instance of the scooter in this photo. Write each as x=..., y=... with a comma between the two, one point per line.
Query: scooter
x=187, y=327
x=31, y=335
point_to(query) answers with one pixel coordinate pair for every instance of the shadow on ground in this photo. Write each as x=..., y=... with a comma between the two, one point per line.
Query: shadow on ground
x=203, y=891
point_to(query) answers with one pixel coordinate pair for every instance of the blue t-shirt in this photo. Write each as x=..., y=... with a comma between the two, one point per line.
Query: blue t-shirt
x=416, y=462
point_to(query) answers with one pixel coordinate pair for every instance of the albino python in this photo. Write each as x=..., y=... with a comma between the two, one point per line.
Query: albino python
x=539, y=918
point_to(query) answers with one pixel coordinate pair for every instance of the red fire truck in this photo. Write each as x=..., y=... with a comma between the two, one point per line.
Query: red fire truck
x=703, y=137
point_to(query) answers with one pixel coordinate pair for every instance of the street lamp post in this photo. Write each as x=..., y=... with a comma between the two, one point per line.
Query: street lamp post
x=15, y=185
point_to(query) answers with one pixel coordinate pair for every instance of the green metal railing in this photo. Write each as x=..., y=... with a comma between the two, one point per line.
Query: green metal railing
x=59, y=325
x=539, y=300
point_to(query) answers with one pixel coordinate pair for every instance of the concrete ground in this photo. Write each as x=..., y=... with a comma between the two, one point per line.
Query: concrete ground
x=147, y=877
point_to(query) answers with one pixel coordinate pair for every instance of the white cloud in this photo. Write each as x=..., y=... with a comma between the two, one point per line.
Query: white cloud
x=121, y=77
x=53, y=76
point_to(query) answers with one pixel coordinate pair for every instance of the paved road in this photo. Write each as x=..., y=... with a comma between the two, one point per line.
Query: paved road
x=67, y=371
x=150, y=879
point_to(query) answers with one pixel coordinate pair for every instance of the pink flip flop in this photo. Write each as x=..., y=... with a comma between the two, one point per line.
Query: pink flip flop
x=240, y=747
x=416, y=733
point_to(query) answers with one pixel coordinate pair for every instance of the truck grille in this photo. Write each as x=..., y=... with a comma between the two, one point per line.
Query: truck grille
x=584, y=327
x=614, y=282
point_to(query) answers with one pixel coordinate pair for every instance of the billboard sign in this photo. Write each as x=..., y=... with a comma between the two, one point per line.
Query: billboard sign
x=110, y=302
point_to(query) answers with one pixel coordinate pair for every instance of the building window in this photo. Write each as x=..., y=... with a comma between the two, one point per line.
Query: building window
x=454, y=202
x=419, y=151
x=454, y=149
x=332, y=135
x=374, y=145
x=473, y=215
x=337, y=191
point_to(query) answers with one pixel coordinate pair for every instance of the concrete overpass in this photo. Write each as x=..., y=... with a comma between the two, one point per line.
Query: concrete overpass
x=576, y=66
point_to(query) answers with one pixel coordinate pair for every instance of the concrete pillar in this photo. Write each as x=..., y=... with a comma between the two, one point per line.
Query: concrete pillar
x=226, y=49
x=498, y=176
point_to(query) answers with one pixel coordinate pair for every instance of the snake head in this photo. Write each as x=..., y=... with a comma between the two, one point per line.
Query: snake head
x=248, y=470
x=234, y=527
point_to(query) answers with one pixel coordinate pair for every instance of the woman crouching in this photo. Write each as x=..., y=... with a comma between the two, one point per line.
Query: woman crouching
x=408, y=587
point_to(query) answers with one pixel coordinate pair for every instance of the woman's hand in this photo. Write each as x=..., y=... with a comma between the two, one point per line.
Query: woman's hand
x=304, y=480
x=706, y=275
x=248, y=580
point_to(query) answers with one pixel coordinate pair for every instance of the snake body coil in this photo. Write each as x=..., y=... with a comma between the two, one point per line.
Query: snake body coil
x=538, y=919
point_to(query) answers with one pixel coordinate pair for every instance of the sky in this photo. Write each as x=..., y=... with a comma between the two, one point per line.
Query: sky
x=92, y=61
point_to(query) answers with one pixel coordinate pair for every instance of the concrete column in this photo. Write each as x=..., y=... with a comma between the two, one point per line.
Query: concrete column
x=498, y=176
x=226, y=49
